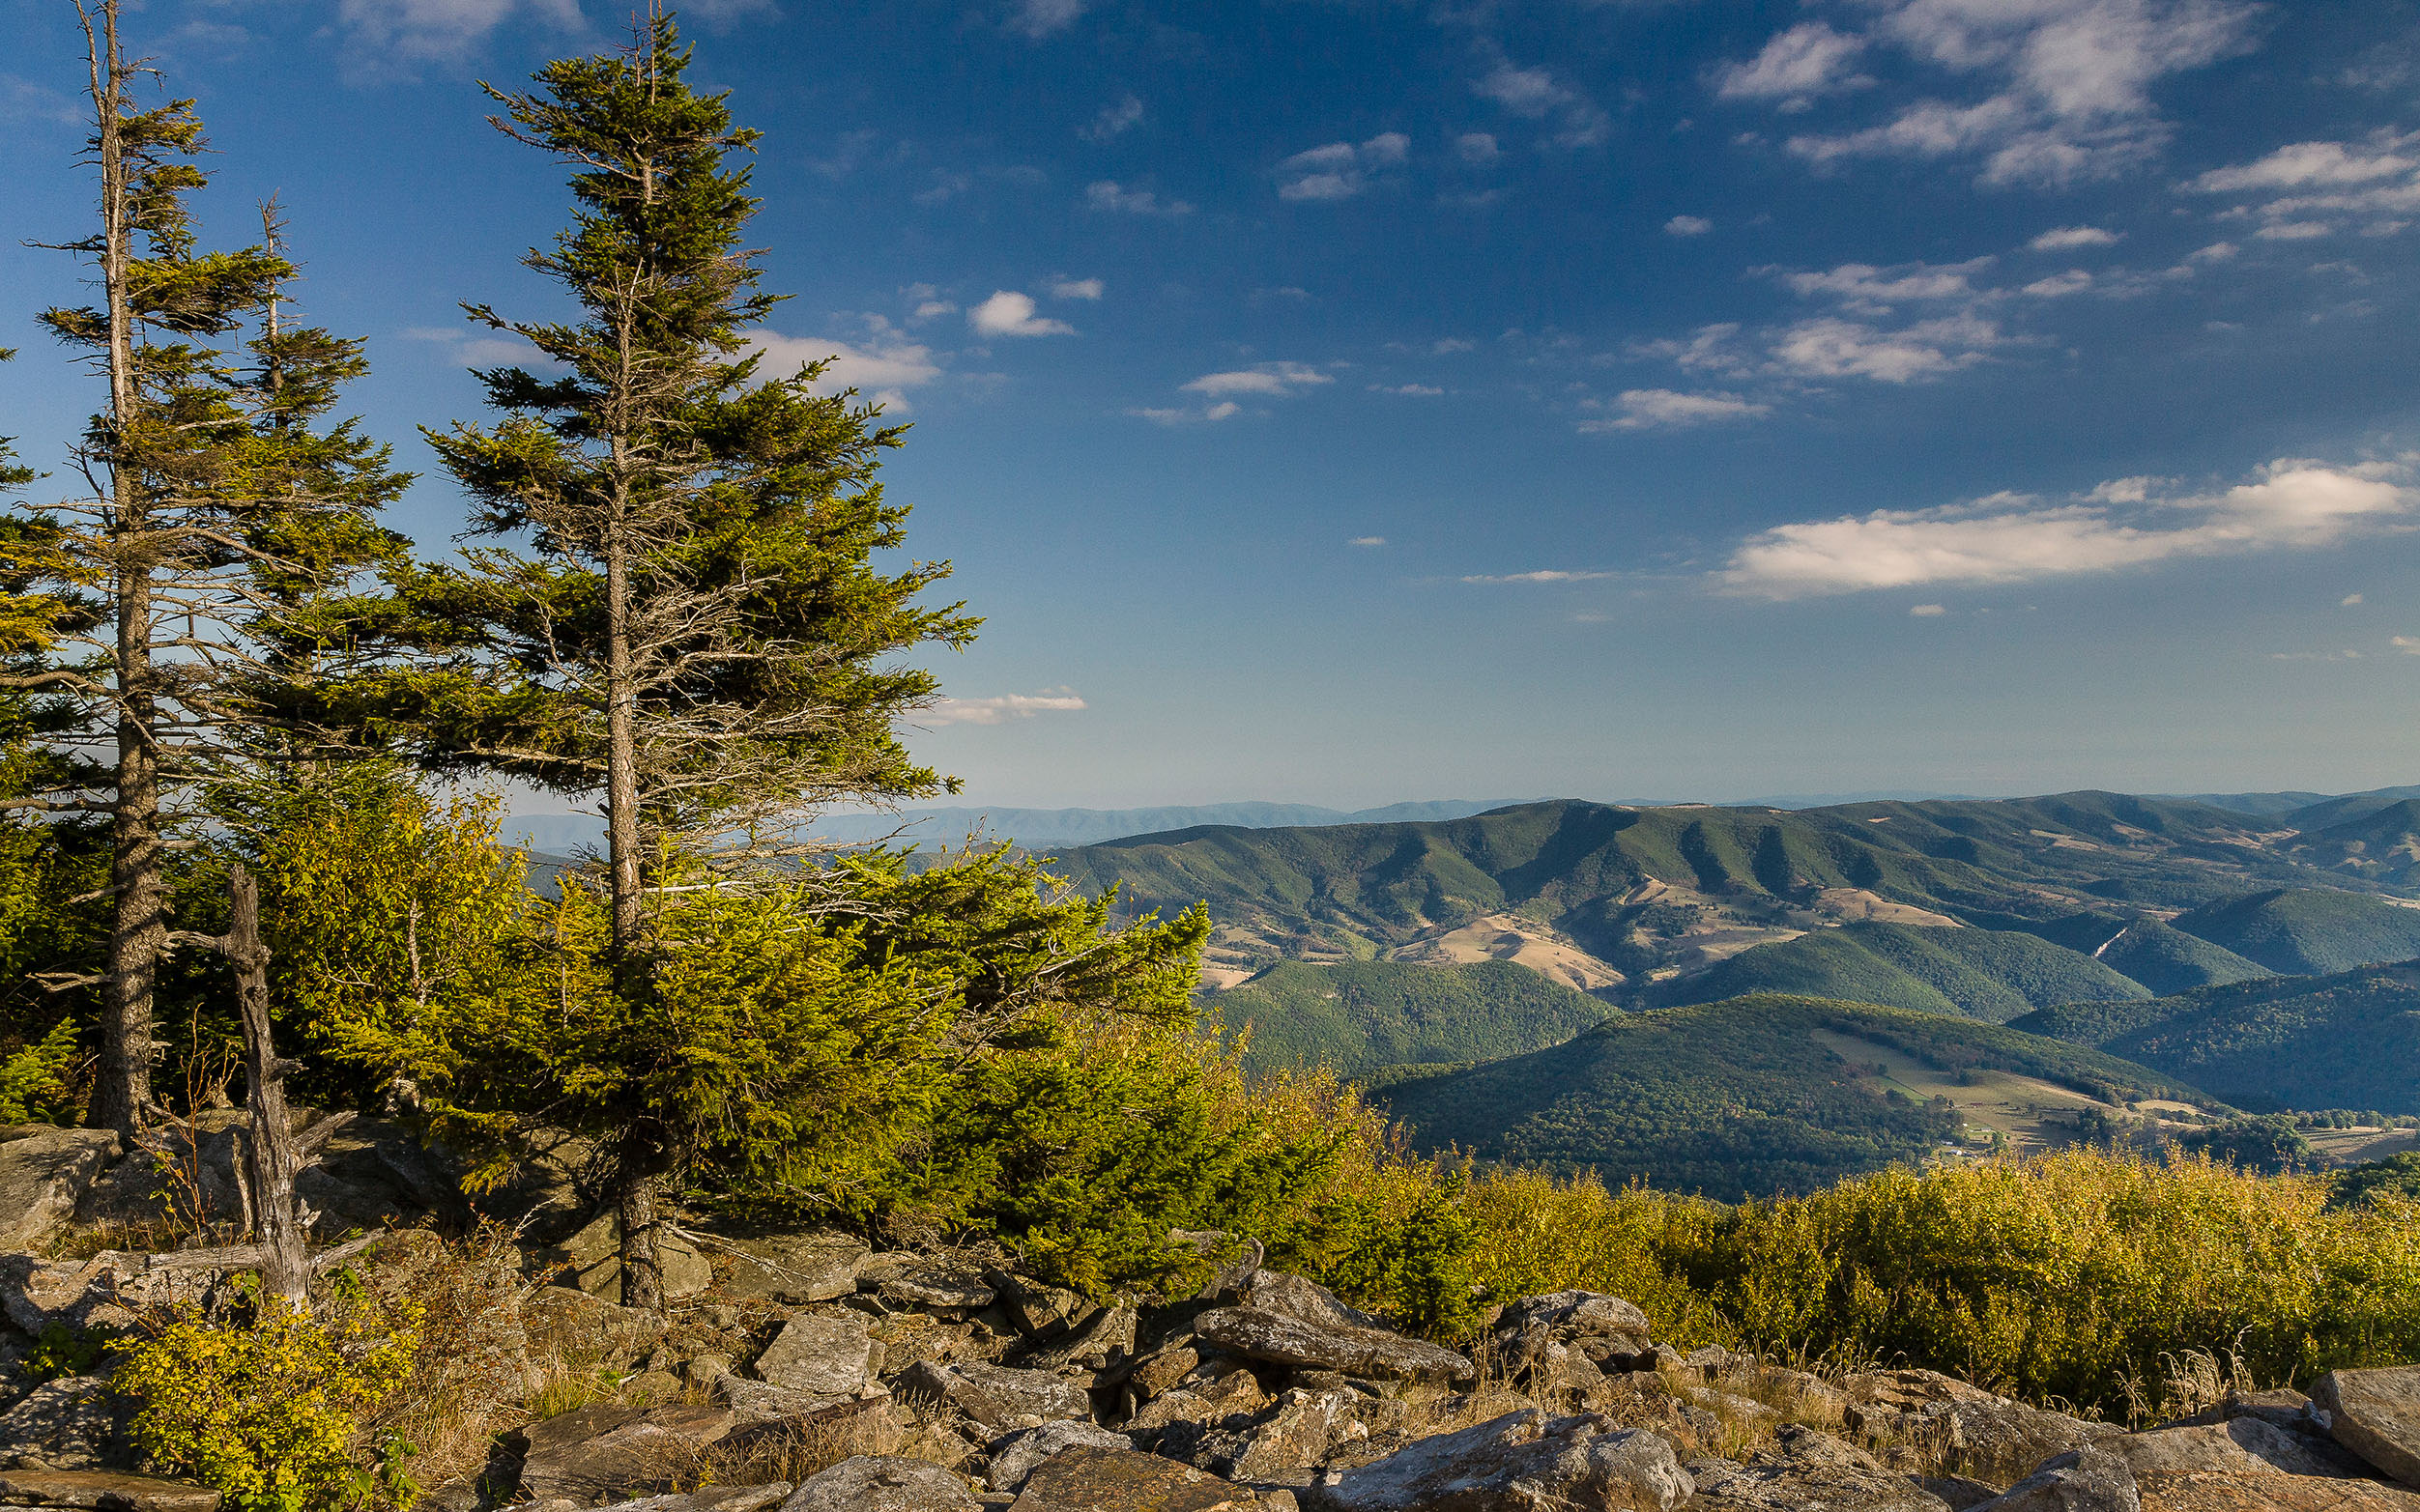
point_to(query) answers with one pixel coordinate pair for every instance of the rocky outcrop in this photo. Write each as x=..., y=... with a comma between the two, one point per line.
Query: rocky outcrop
x=1019, y=1454
x=2375, y=1414
x=1091, y=1479
x=90, y=1490
x=2090, y=1479
x=1000, y=1399
x=596, y=1454
x=1808, y=1470
x=1512, y=1463
x=43, y=1173
x=875, y=1483
x=1261, y=1334
x=820, y=1353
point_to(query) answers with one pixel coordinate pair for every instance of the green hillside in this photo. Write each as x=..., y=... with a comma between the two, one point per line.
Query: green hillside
x=2347, y=1041
x=2307, y=933
x=1648, y=889
x=1731, y=1098
x=1369, y=1014
x=1985, y=974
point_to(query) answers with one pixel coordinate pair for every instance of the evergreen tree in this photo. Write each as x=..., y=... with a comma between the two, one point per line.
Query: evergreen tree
x=680, y=615
x=179, y=595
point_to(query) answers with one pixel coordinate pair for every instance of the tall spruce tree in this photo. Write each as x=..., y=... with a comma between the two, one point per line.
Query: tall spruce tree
x=182, y=589
x=680, y=616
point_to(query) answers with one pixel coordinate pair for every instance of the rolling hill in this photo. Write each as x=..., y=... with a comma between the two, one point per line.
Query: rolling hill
x=1648, y=893
x=2304, y=932
x=1360, y=1017
x=1743, y=1098
x=1987, y=973
x=2350, y=1039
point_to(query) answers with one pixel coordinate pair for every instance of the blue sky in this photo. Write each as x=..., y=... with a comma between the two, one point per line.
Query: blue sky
x=1346, y=403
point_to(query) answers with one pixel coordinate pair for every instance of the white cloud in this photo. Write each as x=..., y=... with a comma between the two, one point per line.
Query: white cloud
x=1868, y=289
x=1447, y=345
x=1709, y=349
x=2310, y=189
x=2409, y=645
x=2349, y=600
x=932, y=310
x=2075, y=280
x=390, y=35
x=1109, y=194
x=2015, y=538
x=1415, y=390
x=1274, y=380
x=1829, y=347
x=1687, y=226
x=1367, y=540
x=1476, y=148
x=493, y=349
x=1807, y=59
x=2066, y=238
x=1535, y=95
x=1115, y=120
x=1547, y=575
x=1927, y=610
x=1340, y=170
x=1647, y=409
x=1039, y=18
x=885, y=367
x=1076, y=289
x=1008, y=313
x=1001, y=709
x=24, y=100
x=2068, y=82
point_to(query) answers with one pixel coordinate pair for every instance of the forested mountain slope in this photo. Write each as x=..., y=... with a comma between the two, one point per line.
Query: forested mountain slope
x=1747, y=1096
x=2350, y=1039
x=1360, y=1017
x=1988, y=973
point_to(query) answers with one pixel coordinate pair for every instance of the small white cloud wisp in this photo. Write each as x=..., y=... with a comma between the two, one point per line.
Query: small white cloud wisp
x=1002, y=708
x=1008, y=313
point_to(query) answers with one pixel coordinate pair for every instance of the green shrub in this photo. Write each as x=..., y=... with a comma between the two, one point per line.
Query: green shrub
x=264, y=1408
x=34, y=1081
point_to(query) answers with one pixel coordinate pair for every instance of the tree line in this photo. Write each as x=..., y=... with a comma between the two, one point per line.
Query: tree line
x=668, y=601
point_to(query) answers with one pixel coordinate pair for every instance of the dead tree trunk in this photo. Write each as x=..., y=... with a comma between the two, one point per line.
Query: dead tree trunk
x=273, y=1157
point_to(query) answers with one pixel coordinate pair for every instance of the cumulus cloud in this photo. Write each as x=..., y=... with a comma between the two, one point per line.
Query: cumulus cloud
x=1649, y=409
x=2409, y=645
x=1272, y=380
x=1795, y=66
x=2066, y=238
x=1111, y=195
x=2066, y=84
x=385, y=36
x=1039, y=18
x=2075, y=280
x=1002, y=708
x=1476, y=148
x=1537, y=95
x=1709, y=349
x=1115, y=120
x=885, y=366
x=1340, y=170
x=1829, y=347
x=1008, y=313
x=2312, y=188
x=1868, y=289
x=1367, y=540
x=2349, y=601
x=1413, y=390
x=2015, y=538
x=1076, y=289
x=1927, y=610
x=1687, y=226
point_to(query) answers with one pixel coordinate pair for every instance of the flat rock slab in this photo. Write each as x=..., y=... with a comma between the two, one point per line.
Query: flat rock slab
x=103, y=1492
x=2081, y=1480
x=1121, y=1480
x=43, y=1175
x=2224, y=1493
x=1517, y=1463
x=1258, y=1334
x=1000, y=1399
x=604, y=1453
x=2375, y=1414
x=796, y=1269
x=1019, y=1454
x=2245, y=1447
x=69, y=1424
x=1811, y=1472
x=877, y=1483
x=831, y=1357
x=712, y=1498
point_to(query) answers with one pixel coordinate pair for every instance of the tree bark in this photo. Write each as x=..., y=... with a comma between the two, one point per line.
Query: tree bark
x=272, y=1153
x=641, y=1264
x=139, y=931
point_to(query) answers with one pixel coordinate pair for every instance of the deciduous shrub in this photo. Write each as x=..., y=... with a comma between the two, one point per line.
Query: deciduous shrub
x=265, y=1405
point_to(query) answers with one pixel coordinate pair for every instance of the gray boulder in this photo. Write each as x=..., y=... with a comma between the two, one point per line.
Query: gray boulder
x=796, y=1269
x=879, y=1483
x=1516, y=1463
x=2241, y=1447
x=68, y=1424
x=710, y=1499
x=1604, y=1330
x=43, y=1174
x=594, y=1257
x=103, y=1490
x=1000, y=1399
x=605, y=1453
x=2375, y=1414
x=1113, y=1480
x=2091, y=1479
x=1805, y=1470
x=827, y=1355
x=935, y=1284
x=1352, y=1350
x=1021, y=1454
